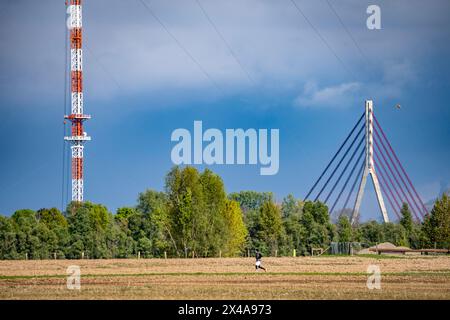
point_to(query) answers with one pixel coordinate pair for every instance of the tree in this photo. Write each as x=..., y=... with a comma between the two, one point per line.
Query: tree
x=145, y=246
x=370, y=233
x=24, y=222
x=344, y=229
x=291, y=207
x=270, y=227
x=295, y=235
x=236, y=232
x=122, y=214
x=413, y=230
x=89, y=224
x=436, y=225
x=7, y=239
x=215, y=206
x=153, y=207
x=52, y=218
x=251, y=200
x=406, y=220
x=394, y=233
x=319, y=231
x=187, y=212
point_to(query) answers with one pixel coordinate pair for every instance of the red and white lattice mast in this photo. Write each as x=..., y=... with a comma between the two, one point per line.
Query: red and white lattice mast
x=77, y=116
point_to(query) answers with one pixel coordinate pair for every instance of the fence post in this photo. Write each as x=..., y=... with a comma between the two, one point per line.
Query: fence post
x=26, y=256
x=294, y=253
x=193, y=252
x=276, y=253
x=54, y=255
x=139, y=255
x=220, y=253
x=82, y=255
x=165, y=255
x=248, y=253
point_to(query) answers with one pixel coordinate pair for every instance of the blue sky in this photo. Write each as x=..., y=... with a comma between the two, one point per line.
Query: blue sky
x=140, y=86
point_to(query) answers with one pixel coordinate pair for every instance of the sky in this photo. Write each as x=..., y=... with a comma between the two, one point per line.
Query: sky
x=246, y=64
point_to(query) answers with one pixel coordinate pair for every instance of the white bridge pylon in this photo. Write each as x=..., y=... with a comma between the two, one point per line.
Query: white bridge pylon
x=369, y=169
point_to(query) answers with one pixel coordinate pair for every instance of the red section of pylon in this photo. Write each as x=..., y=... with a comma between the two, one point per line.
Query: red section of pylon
x=77, y=116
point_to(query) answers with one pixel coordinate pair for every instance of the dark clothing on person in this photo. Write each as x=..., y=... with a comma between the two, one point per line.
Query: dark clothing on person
x=258, y=261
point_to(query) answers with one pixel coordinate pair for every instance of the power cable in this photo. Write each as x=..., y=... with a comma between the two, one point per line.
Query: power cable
x=323, y=39
x=183, y=48
x=348, y=32
x=233, y=54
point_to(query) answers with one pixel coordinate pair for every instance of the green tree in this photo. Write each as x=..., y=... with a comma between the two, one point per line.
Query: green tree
x=319, y=231
x=24, y=222
x=187, y=212
x=52, y=218
x=88, y=226
x=270, y=226
x=236, y=232
x=251, y=200
x=406, y=220
x=436, y=225
x=394, y=233
x=370, y=233
x=291, y=211
x=153, y=206
x=344, y=229
x=7, y=239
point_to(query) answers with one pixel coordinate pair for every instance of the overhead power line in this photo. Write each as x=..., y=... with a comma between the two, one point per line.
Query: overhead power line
x=180, y=45
x=323, y=39
x=233, y=54
x=348, y=32
x=103, y=67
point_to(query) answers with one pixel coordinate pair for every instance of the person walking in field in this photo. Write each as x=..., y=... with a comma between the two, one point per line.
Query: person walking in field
x=258, y=261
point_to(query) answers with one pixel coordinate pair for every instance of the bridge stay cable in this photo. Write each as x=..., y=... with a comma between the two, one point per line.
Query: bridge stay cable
x=352, y=190
x=396, y=171
x=340, y=162
x=390, y=195
x=379, y=166
x=352, y=171
x=425, y=211
x=334, y=157
x=346, y=167
x=400, y=176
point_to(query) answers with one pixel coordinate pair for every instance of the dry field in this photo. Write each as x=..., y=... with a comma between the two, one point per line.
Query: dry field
x=420, y=277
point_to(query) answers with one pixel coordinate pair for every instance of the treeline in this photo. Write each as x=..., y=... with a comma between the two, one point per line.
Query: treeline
x=194, y=216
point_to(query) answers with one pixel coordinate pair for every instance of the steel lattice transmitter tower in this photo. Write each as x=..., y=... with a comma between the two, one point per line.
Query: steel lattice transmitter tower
x=77, y=117
x=369, y=168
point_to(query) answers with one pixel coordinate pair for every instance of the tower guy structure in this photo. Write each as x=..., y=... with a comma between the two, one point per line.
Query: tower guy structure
x=366, y=151
x=76, y=117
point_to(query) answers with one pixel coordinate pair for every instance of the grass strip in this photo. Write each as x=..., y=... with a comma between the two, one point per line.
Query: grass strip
x=265, y=274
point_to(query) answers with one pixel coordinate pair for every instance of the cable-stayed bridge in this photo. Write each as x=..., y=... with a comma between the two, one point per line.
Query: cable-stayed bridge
x=366, y=152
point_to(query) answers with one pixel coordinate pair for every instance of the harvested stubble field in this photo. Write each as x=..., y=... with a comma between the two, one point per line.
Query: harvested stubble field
x=420, y=277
